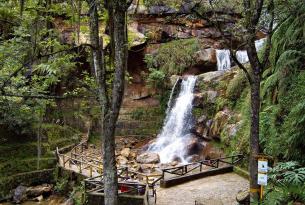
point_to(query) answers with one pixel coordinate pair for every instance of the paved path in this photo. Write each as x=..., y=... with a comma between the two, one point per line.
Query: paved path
x=214, y=190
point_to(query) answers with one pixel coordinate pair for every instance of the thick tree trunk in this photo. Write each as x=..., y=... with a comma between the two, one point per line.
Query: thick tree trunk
x=119, y=40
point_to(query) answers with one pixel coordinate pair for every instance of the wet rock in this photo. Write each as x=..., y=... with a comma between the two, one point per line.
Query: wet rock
x=174, y=163
x=44, y=189
x=194, y=158
x=148, y=158
x=193, y=146
x=19, y=194
x=125, y=152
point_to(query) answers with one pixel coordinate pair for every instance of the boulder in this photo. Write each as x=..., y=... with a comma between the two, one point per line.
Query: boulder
x=206, y=56
x=125, y=152
x=147, y=168
x=19, y=194
x=174, y=163
x=148, y=158
x=243, y=197
x=210, y=76
x=193, y=146
x=122, y=160
x=39, y=190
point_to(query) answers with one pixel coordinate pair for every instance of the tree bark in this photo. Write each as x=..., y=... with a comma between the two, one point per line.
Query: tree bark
x=117, y=10
x=255, y=110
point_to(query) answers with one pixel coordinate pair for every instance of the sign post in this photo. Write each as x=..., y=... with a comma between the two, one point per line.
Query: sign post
x=262, y=178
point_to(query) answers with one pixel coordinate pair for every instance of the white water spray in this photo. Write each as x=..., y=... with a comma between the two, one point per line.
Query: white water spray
x=223, y=59
x=171, y=142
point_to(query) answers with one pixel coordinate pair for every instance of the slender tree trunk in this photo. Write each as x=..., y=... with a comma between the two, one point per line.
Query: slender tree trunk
x=254, y=134
x=255, y=109
x=117, y=10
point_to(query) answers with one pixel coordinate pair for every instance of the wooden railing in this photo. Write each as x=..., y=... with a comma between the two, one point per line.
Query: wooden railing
x=214, y=163
x=125, y=183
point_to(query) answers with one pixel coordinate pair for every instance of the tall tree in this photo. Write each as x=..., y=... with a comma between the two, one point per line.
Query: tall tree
x=118, y=33
x=110, y=105
x=252, y=12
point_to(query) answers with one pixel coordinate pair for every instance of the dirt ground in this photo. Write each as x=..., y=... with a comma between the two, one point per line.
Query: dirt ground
x=214, y=190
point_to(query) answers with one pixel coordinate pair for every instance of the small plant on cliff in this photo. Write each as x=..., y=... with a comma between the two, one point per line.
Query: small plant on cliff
x=174, y=57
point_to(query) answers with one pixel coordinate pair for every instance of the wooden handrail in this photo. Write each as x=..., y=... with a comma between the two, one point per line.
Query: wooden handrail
x=183, y=169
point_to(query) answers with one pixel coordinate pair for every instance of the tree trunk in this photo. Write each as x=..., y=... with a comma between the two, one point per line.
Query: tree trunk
x=118, y=33
x=254, y=134
x=255, y=109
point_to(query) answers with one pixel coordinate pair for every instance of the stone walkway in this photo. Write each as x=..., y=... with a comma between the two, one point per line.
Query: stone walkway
x=214, y=190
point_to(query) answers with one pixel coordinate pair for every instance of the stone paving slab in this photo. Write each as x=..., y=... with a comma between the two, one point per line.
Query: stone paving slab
x=214, y=190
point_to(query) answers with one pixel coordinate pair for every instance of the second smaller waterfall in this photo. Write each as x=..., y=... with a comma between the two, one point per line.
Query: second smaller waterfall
x=223, y=59
x=242, y=56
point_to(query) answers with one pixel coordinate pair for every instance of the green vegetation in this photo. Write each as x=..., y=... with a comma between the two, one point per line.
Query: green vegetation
x=173, y=58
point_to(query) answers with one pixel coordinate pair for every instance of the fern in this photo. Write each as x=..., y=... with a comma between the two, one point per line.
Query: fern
x=288, y=52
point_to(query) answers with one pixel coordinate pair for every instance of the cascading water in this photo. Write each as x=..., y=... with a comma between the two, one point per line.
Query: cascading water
x=259, y=44
x=171, y=97
x=242, y=56
x=171, y=142
x=223, y=59
x=223, y=56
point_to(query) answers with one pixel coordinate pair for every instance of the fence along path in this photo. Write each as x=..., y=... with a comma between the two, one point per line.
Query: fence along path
x=91, y=166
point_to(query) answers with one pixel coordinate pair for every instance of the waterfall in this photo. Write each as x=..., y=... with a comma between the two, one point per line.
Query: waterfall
x=171, y=97
x=259, y=44
x=223, y=56
x=171, y=142
x=223, y=59
x=242, y=56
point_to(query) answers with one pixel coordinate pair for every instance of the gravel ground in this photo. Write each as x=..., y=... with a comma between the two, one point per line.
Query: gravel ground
x=215, y=190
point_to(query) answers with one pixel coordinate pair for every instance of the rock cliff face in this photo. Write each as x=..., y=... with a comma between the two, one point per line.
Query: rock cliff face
x=161, y=24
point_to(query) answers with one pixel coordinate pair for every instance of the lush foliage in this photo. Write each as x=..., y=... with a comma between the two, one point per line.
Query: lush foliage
x=286, y=184
x=282, y=116
x=173, y=58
